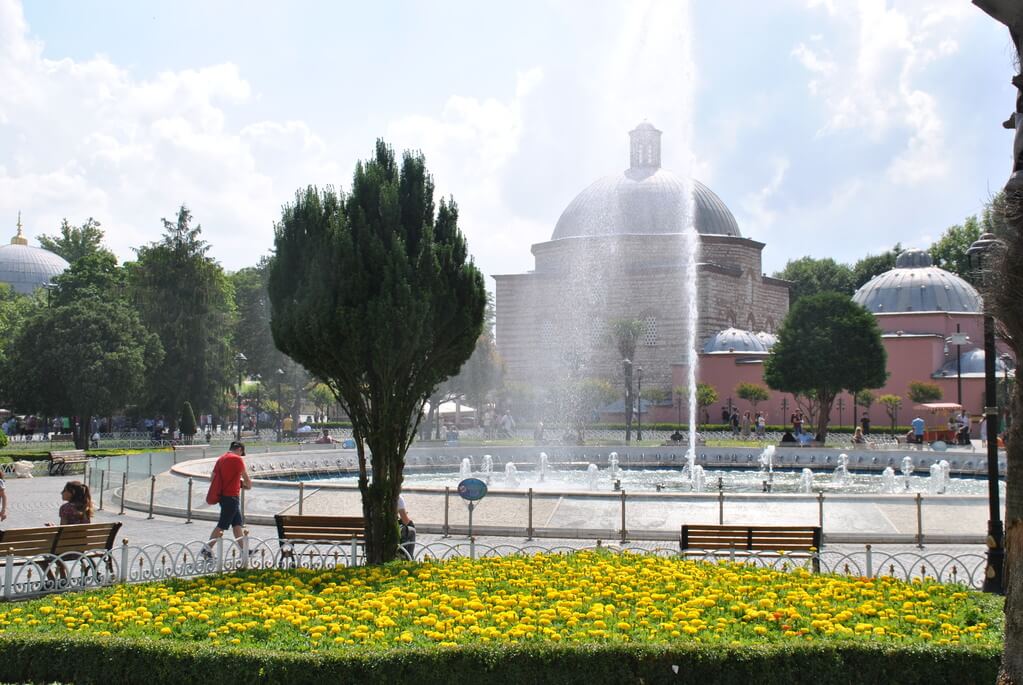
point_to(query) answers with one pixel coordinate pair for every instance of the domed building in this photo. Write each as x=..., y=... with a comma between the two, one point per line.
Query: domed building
x=619, y=252
x=26, y=268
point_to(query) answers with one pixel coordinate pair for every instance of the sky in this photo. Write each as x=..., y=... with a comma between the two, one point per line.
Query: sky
x=829, y=128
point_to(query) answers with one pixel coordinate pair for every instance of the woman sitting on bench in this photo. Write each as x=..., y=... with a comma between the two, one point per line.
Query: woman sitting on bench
x=77, y=507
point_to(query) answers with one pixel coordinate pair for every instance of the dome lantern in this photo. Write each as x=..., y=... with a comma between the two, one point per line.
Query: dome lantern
x=645, y=147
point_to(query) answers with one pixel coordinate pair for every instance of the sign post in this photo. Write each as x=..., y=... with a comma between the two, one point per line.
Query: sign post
x=472, y=490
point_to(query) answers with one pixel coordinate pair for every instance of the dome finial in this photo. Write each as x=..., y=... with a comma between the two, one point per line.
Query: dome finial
x=645, y=146
x=19, y=239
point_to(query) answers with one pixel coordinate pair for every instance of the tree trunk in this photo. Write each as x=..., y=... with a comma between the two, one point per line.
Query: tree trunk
x=628, y=404
x=80, y=432
x=1012, y=654
x=380, y=497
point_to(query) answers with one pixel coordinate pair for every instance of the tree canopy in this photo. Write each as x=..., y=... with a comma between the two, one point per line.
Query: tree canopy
x=374, y=292
x=826, y=344
x=811, y=276
x=75, y=242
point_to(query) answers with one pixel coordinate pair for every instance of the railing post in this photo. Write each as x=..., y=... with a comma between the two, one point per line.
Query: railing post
x=152, y=494
x=124, y=561
x=301, y=496
x=870, y=562
x=529, y=522
x=447, y=501
x=472, y=548
x=220, y=554
x=124, y=488
x=354, y=553
x=919, y=520
x=189, y=503
x=9, y=574
x=245, y=548
x=625, y=537
x=721, y=507
x=820, y=509
x=101, y=474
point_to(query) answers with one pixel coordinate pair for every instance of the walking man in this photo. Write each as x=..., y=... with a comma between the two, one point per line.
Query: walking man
x=228, y=478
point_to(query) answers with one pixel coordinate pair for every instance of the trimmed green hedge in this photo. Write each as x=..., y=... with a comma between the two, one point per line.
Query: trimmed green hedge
x=114, y=660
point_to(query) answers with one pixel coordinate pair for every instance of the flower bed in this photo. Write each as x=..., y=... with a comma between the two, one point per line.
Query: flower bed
x=586, y=599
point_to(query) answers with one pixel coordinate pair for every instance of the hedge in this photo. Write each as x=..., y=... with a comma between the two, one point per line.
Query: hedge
x=104, y=660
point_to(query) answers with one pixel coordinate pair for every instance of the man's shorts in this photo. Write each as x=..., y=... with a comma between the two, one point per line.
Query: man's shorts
x=230, y=512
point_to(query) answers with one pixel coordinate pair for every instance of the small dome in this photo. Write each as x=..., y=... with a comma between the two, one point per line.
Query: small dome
x=768, y=339
x=26, y=268
x=644, y=199
x=734, y=340
x=972, y=362
x=915, y=285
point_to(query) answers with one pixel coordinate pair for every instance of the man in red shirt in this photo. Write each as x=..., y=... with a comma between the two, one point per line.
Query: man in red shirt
x=232, y=475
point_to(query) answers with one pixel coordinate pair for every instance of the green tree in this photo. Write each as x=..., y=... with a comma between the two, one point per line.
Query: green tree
x=624, y=335
x=826, y=344
x=920, y=392
x=321, y=397
x=754, y=393
x=374, y=293
x=75, y=242
x=89, y=345
x=891, y=403
x=706, y=395
x=480, y=377
x=874, y=265
x=811, y=276
x=187, y=424
x=949, y=252
x=185, y=298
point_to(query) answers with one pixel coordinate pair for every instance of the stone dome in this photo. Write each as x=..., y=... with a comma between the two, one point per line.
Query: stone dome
x=26, y=268
x=734, y=340
x=972, y=364
x=644, y=199
x=916, y=285
x=768, y=339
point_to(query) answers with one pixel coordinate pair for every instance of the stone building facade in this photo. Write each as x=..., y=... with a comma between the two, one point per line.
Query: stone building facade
x=619, y=252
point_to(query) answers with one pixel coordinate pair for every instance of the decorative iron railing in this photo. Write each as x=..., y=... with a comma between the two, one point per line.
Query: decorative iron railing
x=44, y=574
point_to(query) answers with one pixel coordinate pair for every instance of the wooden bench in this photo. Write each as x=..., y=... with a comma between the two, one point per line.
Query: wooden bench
x=317, y=530
x=805, y=541
x=63, y=460
x=49, y=545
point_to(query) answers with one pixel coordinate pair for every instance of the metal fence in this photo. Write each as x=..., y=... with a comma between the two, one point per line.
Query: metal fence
x=45, y=574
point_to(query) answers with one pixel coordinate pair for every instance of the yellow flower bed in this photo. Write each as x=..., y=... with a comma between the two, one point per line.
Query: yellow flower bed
x=585, y=596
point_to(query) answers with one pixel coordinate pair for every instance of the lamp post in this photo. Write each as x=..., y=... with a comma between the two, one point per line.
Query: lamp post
x=958, y=339
x=977, y=254
x=639, y=412
x=841, y=408
x=259, y=387
x=280, y=407
x=240, y=360
x=627, y=370
x=784, y=410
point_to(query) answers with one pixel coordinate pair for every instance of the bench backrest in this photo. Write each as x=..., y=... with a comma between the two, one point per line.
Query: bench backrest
x=28, y=542
x=86, y=537
x=752, y=538
x=331, y=528
x=68, y=454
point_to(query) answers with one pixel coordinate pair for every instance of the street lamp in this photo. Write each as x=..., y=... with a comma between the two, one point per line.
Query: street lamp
x=280, y=407
x=627, y=370
x=240, y=360
x=958, y=339
x=639, y=413
x=977, y=254
x=259, y=386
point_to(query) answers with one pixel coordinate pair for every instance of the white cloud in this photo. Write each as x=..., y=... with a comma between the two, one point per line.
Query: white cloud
x=757, y=206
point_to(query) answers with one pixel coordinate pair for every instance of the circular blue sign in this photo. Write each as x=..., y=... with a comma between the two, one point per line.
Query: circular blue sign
x=472, y=489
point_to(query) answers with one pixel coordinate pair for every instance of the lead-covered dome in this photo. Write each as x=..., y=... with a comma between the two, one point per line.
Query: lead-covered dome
x=645, y=199
x=26, y=268
x=916, y=285
x=734, y=340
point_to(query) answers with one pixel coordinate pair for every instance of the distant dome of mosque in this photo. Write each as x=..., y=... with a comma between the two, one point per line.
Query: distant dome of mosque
x=644, y=199
x=734, y=340
x=916, y=285
x=768, y=339
x=26, y=268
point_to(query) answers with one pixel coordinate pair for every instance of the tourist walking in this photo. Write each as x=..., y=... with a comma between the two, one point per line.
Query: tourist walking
x=228, y=479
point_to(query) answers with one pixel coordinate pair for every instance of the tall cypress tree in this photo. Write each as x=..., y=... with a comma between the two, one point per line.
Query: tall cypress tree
x=375, y=294
x=185, y=298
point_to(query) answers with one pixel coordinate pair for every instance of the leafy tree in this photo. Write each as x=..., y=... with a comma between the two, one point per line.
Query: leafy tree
x=864, y=398
x=185, y=298
x=15, y=309
x=374, y=293
x=75, y=242
x=89, y=345
x=874, y=265
x=577, y=401
x=187, y=424
x=624, y=334
x=754, y=393
x=949, y=252
x=706, y=395
x=321, y=397
x=891, y=403
x=655, y=394
x=811, y=276
x=480, y=376
x=920, y=392
x=826, y=344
